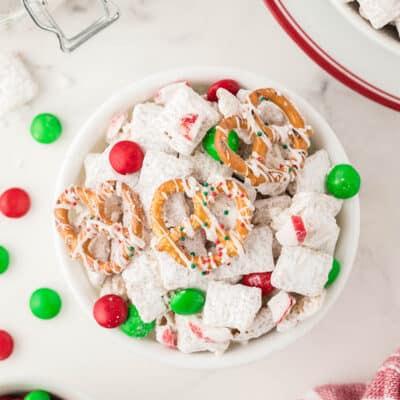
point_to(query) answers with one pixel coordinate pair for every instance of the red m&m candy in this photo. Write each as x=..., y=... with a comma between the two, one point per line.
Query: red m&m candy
x=15, y=203
x=228, y=84
x=126, y=157
x=110, y=311
x=6, y=345
x=261, y=280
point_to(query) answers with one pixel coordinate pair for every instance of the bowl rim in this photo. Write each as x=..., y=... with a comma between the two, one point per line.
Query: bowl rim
x=378, y=36
x=204, y=75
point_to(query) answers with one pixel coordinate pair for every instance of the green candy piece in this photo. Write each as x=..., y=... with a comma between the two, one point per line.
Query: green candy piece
x=46, y=128
x=45, y=303
x=187, y=301
x=134, y=326
x=4, y=259
x=334, y=273
x=37, y=395
x=343, y=181
x=209, y=147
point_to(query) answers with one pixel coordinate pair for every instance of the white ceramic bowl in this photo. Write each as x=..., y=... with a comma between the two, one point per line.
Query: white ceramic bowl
x=91, y=137
x=384, y=37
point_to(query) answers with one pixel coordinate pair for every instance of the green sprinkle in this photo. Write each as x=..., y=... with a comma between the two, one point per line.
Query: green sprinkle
x=290, y=170
x=205, y=224
x=193, y=266
x=131, y=255
x=212, y=188
x=131, y=248
x=204, y=203
x=181, y=228
x=226, y=212
x=262, y=98
x=205, y=184
x=259, y=133
x=285, y=146
x=203, y=273
x=226, y=238
x=192, y=253
x=183, y=238
x=205, y=194
x=91, y=217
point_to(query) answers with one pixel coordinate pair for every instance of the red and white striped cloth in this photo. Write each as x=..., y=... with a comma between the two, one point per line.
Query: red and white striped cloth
x=385, y=385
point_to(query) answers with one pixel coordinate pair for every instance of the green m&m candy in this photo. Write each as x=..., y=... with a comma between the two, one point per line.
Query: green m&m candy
x=46, y=128
x=343, y=181
x=334, y=273
x=4, y=259
x=37, y=395
x=45, y=303
x=209, y=147
x=134, y=326
x=187, y=301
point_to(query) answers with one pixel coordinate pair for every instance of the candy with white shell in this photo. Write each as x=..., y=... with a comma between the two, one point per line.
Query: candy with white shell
x=16, y=84
x=280, y=306
x=262, y=324
x=301, y=270
x=144, y=287
x=263, y=207
x=194, y=336
x=233, y=306
x=186, y=119
x=313, y=176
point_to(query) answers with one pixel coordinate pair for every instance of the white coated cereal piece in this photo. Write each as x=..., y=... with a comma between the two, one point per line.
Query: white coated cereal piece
x=317, y=231
x=144, y=286
x=175, y=276
x=276, y=248
x=185, y=119
x=96, y=278
x=380, y=12
x=262, y=324
x=99, y=170
x=301, y=270
x=313, y=176
x=16, y=84
x=263, y=207
x=166, y=93
x=250, y=190
x=166, y=331
x=231, y=306
x=257, y=258
x=115, y=130
x=228, y=104
x=157, y=168
x=316, y=203
x=242, y=94
x=144, y=131
x=176, y=210
x=304, y=308
x=195, y=336
x=114, y=285
x=205, y=167
x=280, y=306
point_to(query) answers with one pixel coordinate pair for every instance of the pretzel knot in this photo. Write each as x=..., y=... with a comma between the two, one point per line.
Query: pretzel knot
x=124, y=227
x=229, y=242
x=254, y=169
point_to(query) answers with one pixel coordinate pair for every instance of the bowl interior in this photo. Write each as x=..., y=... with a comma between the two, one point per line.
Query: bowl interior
x=90, y=138
x=386, y=37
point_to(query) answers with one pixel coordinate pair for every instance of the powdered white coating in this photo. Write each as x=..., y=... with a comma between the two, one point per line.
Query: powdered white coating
x=315, y=202
x=176, y=210
x=117, y=128
x=144, y=287
x=380, y=12
x=233, y=306
x=262, y=324
x=280, y=306
x=114, y=284
x=205, y=167
x=301, y=270
x=17, y=86
x=263, y=207
x=228, y=104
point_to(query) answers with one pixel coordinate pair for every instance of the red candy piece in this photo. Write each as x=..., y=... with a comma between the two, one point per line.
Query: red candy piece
x=228, y=84
x=110, y=311
x=15, y=203
x=6, y=345
x=261, y=280
x=126, y=157
x=299, y=228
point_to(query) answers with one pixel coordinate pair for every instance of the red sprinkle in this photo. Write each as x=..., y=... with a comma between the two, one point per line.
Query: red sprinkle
x=299, y=227
x=187, y=122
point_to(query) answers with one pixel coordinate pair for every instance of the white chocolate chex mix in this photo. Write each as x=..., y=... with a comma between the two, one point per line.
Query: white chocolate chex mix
x=380, y=12
x=232, y=306
x=265, y=207
x=280, y=306
x=114, y=284
x=144, y=287
x=206, y=168
x=118, y=128
x=262, y=324
x=186, y=119
x=301, y=270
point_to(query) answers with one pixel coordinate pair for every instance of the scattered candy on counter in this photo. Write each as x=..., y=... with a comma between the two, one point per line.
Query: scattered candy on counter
x=333, y=273
x=4, y=259
x=110, y=311
x=261, y=280
x=228, y=84
x=134, y=326
x=187, y=301
x=209, y=146
x=6, y=345
x=46, y=128
x=343, y=181
x=45, y=303
x=15, y=203
x=126, y=157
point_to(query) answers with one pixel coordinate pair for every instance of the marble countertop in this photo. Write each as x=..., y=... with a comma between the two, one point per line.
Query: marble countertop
x=152, y=35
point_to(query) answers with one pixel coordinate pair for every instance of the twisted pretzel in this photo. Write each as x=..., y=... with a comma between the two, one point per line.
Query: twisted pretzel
x=128, y=233
x=254, y=169
x=229, y=243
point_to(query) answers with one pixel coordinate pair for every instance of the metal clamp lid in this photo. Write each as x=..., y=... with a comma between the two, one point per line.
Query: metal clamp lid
x=39, y=12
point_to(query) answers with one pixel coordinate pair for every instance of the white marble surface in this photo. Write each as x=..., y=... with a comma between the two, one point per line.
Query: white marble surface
x=358, y=332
